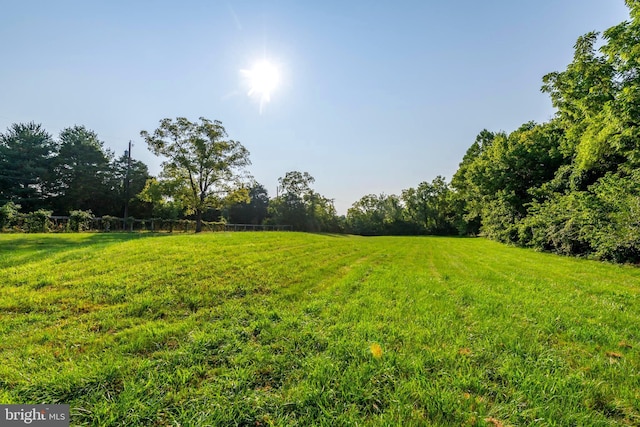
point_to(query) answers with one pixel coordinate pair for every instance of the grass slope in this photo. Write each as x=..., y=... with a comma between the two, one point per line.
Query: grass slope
x=302, y=329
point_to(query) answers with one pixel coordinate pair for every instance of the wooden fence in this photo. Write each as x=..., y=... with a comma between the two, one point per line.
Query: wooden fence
x=110, y=224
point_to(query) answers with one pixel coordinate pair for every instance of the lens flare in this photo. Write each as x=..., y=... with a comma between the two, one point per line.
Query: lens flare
x=263, y=78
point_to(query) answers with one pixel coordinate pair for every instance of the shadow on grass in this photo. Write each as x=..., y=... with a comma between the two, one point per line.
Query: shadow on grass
x=330, y=234
x=27, y=248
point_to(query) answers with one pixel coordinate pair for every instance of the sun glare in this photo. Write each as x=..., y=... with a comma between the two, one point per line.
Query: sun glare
x=263, y=79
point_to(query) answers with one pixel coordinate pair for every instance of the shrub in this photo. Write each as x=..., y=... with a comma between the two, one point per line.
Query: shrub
x=80, y=220
x=8, y=214
x=500, y=220
x=618, y=236
x=38, y=221
x=111, y=223
x=563, y=224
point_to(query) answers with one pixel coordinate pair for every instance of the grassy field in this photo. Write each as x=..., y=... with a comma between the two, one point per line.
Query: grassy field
x=263, y=329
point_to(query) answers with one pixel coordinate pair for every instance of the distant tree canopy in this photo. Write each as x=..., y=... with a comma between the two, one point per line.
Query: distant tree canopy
x=430, y=208
x=300, y=206
x=374, y=215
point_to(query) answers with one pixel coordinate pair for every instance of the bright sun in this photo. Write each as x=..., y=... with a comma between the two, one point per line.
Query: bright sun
x=263, y=79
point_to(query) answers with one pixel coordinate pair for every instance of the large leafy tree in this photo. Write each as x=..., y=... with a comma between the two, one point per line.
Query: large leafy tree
x=84, y=174
x=597, y=97
x=26, y=165
x=203, y=165
x=501, y=173
x=591, y=204
x=289, y=206
x=467, y=197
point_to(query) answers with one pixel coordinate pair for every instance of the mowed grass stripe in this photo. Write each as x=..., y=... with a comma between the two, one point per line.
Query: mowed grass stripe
x=303, y=329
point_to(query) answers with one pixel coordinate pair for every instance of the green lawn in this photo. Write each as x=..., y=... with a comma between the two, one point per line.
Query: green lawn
x=263, y=329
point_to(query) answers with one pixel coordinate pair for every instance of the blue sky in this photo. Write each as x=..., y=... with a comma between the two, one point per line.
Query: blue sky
x=375, y=96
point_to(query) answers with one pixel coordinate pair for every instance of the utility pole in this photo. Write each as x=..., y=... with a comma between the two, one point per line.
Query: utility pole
x=126, y=187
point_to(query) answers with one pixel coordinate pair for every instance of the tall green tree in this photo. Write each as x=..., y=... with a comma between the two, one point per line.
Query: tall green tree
x=499, y=179
x=467, y=194
x=590, y=205
x=597, y=101
x=26, y=165
x=204, y=166
x=84, y=176
x=570, y=185
x=321, y=213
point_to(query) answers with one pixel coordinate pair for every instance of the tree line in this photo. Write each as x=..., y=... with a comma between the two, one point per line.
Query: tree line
x=203, y=177
x=71, y=172
x=570, y=185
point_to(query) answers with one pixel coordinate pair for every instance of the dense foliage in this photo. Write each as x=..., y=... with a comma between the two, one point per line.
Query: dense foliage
x=570, y=185
x=74, y=172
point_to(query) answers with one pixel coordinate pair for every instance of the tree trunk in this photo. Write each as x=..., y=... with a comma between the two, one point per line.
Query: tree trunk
x=198, y=221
